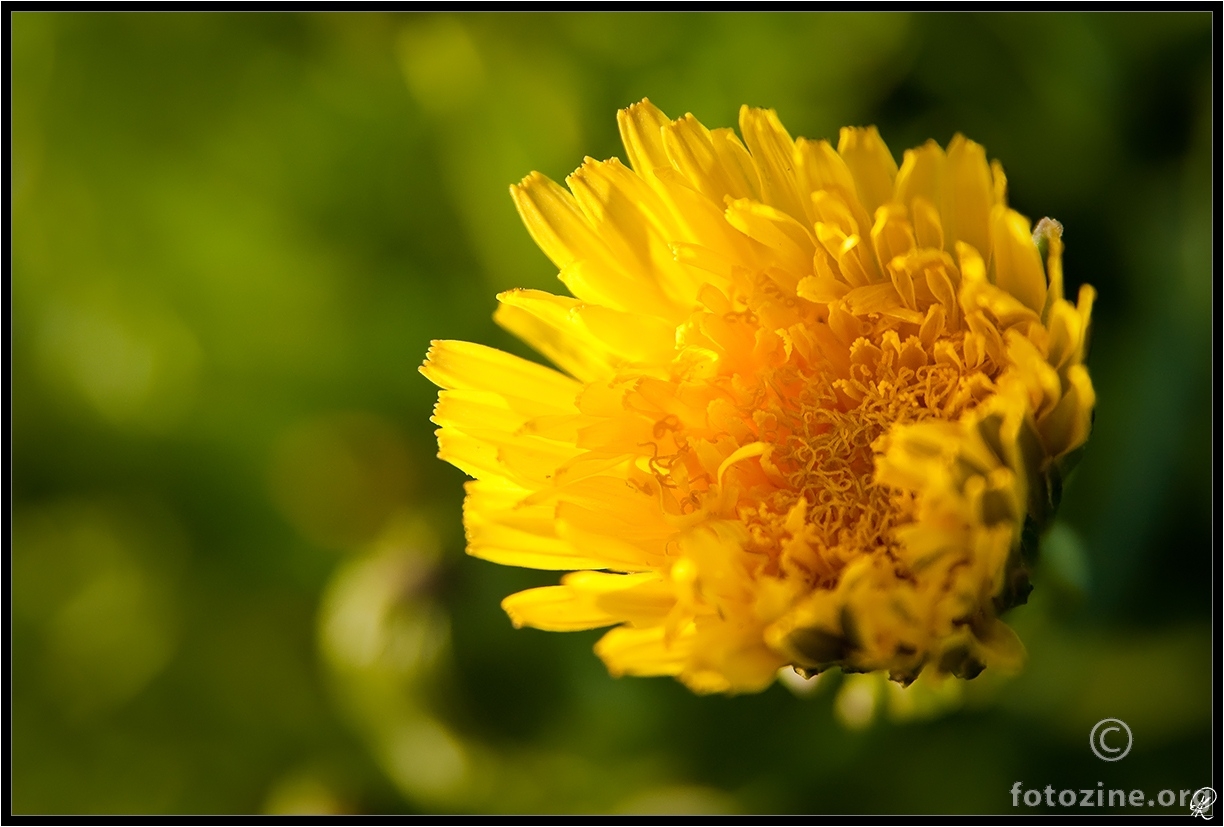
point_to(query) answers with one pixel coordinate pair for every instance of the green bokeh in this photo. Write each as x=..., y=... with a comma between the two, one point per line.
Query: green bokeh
x=238, y=580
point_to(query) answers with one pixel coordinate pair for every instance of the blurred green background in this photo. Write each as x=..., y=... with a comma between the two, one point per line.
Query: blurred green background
x=237, y=572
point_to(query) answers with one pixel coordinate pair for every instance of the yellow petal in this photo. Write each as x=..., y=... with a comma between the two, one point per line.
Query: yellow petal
x=773, y=150
x=822, y=290
x=870, y=163
x=1066, y=335
x=999, y=179
x=821, y=169
x=641, y=599
x=565, y=233
x=1054, y=270
x=615, y=553
x=857, y=262
x=633, y=338
x=545, y=322
x=928, y=227
x=528, y=460
x=754, y=449
x=643, y=652
x=702, y=219
x=832, y=209
x=598, y=285
x=555, y=609
x=464, y=409
x=596, y=339
x=1017, y=262
x=1043, y=382
x=783, y=235
x=464, y=365
x=967, y=197
x=641, y=132
x=892, y=235
x=874, y=298
x=1067, y=426
x=691, y=152
x=589, y=599
x=704, y=259
x=474, y=457
x=555, y=221
x=637, y=224
x=511, y=547
x=741, y=170
x=1084, y=302
x=920, y=175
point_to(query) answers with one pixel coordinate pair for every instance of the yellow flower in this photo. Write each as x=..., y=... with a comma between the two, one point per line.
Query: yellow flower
x=814, y=407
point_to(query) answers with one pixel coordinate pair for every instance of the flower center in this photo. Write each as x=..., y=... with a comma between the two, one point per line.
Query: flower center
x=823, y=431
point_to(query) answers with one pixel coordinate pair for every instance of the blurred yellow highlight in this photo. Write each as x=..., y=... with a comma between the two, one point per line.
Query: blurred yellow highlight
x=855, y=705
x=303, y=794
x=679, y=799
x=134, y=368
x=99, y=582
x=443, y=70
x=381, y=633
x=425, y=759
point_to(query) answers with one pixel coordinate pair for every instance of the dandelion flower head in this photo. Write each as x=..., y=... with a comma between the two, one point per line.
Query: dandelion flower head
x=811, y=407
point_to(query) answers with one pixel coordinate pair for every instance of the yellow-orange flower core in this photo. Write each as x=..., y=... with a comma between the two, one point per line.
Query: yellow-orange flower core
x=813, y=406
